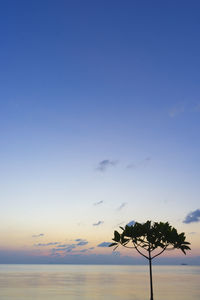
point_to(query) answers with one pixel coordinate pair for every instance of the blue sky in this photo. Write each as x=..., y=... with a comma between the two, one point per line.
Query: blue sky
x=86, y=84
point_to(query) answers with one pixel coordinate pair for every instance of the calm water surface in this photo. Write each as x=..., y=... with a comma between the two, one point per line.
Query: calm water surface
x=79, y=282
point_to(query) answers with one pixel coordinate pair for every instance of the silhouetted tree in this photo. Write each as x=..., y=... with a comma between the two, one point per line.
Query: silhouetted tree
x=148, y=237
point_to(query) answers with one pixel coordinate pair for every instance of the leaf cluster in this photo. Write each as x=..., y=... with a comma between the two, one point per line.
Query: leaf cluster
x=150, y=236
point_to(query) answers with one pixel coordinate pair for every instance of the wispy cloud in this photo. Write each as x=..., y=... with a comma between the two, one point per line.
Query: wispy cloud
x=86, y=250
x=122, y=206
x=105, y=164
x=177, y=110
x=143, y=163
x=38, y=235
x=131, y=166
x=67, y=248
x=98, y=223
x=104, y=244
x=197, y=107
x=62, y=245
x=70, y=247
x=186, y=107
x=46, y=244
x=98, y=203
x=192, y=217
x=82, y=243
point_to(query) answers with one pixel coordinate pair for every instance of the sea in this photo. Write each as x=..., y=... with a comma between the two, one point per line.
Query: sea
x=95, y=282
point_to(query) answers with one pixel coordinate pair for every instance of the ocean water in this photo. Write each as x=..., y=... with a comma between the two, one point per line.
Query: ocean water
x=92, y=282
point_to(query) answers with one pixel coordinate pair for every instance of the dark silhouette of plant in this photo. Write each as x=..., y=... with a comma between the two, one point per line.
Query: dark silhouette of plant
x=150, y=240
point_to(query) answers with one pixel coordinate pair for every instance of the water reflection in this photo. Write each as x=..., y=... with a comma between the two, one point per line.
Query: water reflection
x=61, y=282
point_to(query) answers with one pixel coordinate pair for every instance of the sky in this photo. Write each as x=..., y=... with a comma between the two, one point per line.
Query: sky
x=99, y=126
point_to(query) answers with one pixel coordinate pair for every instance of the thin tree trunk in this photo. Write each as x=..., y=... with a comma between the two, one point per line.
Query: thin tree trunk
x=150, y=273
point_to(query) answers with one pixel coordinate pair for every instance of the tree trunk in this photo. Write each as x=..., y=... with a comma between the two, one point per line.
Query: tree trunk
x=150, y=274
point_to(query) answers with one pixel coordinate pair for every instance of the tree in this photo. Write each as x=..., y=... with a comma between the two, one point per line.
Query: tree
x=150, y=236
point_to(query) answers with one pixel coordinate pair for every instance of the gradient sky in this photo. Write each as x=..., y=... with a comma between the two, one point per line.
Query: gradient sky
x=99, y=125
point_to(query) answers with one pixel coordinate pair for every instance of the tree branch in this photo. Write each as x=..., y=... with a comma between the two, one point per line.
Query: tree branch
x=139, y=244
x=128, y=246
x=159, y=252
x=141, y=252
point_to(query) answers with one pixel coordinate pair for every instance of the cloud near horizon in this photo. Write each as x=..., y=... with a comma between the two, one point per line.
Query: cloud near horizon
x=38, y=235
x=192, y=217
x=82, y=243
x=67, y=248
x=70, y=247
x=47, y=244
x=79, y=240
x=62, y=245
x=105, y=164
x=104, y=244
x=21, y=257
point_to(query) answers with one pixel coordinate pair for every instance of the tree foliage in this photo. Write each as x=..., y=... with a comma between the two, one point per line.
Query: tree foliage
x=150, y=236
